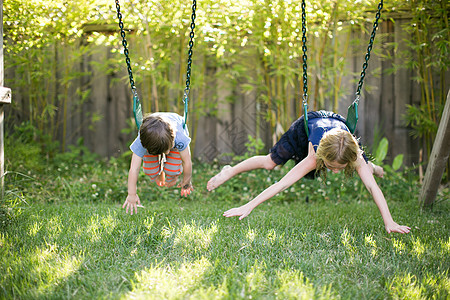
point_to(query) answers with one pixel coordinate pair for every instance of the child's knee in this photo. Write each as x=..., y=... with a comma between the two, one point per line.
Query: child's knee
x=269, y=164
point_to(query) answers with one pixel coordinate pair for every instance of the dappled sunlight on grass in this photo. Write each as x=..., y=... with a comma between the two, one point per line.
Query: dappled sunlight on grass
x=96, y=227
x=371, y=243
x=294, y=285
x=418, y=248
x=251, y=235
x=399, y=246
x=93, y=229
x=255, y=279
x=408, y=286
x=50, y=266
x=161, y=281
x=34, y=228
x=54, y=226
x=445, y=246
x=272, y=237
x=348, y=241
x=193, y=238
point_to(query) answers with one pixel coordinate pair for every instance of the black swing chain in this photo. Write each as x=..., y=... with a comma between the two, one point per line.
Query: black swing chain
x=369, y=48
x=304, y=57
x=305, y=73
x=125, y=49
x=191, y=44
x=189, y=62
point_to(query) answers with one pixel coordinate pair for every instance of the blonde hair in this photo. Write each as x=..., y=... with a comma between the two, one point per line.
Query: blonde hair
x=340, y=146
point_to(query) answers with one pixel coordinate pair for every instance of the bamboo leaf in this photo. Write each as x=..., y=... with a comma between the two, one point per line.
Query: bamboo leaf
x=382, y=150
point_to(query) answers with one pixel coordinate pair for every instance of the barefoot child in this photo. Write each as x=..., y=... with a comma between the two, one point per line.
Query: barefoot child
x=163, y=145
x=330, y=146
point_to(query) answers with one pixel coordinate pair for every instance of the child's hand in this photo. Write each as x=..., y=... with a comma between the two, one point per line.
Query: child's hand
x=394, y=227
x=242, y=212
x=186, y=189
x=131, y=202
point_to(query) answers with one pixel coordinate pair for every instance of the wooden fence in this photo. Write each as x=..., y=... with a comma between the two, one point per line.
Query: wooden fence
x=239, y=112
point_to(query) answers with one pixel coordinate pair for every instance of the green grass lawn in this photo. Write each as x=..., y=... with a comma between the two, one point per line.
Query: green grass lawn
x=317, y=240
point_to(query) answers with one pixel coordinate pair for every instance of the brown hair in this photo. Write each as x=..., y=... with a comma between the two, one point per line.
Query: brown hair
x=157, y=135
x=340, y=146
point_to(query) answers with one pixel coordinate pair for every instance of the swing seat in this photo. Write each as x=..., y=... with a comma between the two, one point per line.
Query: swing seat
x=305, y=118
x=352, y=117
x=137, y=110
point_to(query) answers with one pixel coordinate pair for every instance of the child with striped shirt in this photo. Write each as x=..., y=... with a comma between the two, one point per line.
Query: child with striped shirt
x=163, y=146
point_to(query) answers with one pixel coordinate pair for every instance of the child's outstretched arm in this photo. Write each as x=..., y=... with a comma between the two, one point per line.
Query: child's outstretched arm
x=133, y=200
x=367, y=178
x=186, y=183
x=295, y=174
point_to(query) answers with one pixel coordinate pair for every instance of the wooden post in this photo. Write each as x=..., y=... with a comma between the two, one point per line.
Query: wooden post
x=438, y=159
x=5, y=98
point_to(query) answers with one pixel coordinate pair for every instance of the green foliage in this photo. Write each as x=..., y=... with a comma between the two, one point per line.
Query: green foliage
x=381, y=151
x=255, y=146
x=420, y=121
x=43, y=58
x=398, y=162
x=77, y=153
x=22, y=148
x=251, y=45
x=427, y=55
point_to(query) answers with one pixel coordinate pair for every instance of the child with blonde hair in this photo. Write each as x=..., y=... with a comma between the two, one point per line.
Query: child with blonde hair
x=330, y=145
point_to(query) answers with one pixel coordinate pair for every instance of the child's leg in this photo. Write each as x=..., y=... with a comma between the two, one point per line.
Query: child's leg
x=152, y=169
x=377, y=170
x=172, y=167
x=252, y=163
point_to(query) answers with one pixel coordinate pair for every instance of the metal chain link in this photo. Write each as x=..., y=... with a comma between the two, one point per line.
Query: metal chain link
x=125, y=49
x=305, y=67
x=191, y=45
x=304, y=57
x=189, y=63
x=369, y=49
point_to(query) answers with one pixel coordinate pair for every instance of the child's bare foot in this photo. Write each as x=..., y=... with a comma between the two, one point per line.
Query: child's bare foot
x=161, y=179
x=377, y=170
x=220, y=178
